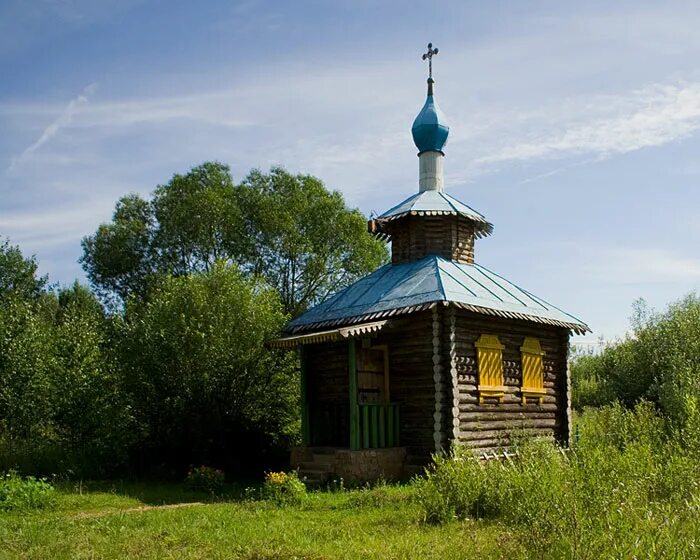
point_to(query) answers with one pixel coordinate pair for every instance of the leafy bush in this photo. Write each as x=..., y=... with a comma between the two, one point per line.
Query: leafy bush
x=206, y=479
x=284, y=488
x=17, y=493
x=659, y=362
x=609, y=496
x=588, y=386
x=200, y=376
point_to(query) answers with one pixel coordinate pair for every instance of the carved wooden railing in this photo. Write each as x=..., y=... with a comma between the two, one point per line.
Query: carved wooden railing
x=379, y=425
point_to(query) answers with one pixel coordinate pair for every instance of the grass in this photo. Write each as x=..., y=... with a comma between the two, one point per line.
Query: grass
x=98, y=520
x=628, y=488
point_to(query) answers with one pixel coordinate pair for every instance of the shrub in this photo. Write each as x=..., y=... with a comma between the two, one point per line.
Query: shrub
x=17, y=493
x=205, y=479
x=658, y=362
x=609, y=496
x=284, y=488
x=199, y=374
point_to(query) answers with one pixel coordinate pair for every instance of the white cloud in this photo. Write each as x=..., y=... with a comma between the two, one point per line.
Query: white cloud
x=63, y=120
x=635, y=265
x=651, y=116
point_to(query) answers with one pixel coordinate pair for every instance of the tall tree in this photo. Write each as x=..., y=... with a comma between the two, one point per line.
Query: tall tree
x=203, y=385
x=120, y=258
x=18, y=275
x=308, y=243
x=286, y=228
x=26, y=345
x=92, y=415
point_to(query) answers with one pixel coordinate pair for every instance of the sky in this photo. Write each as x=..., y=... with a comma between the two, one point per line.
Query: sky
x=575, y=126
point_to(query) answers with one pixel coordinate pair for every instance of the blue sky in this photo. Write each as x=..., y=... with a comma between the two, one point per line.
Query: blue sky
x=575, y=126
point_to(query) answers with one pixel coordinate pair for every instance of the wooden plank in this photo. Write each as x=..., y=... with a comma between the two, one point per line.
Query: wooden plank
x=510, y=407
x=382, y=426
x=365, y=426
x=354, y=416
x=373, y=423
x=397, y=427
x=305, y=427
x=390, y=425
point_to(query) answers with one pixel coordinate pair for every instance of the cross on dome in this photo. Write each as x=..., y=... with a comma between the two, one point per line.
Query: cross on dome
x=429, y=56
x=430, y=129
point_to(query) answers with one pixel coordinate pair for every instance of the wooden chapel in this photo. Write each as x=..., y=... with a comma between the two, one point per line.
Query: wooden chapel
x=431, y=349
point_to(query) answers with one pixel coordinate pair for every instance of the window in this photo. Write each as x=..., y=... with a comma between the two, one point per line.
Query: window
x=532, y=370
x=489, y=352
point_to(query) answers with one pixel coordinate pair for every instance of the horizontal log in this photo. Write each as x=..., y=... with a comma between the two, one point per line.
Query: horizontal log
x=471, y=407
x=504, y=414
x=509, y=398
x=512, y=425
x=494, y=436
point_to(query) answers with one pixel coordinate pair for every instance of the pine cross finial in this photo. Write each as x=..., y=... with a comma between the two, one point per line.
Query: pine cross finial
x=429, y=55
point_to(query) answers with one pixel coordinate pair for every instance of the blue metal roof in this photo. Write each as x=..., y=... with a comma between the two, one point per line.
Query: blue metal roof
x=437, y=203
x=430, y=129
x=394, y=289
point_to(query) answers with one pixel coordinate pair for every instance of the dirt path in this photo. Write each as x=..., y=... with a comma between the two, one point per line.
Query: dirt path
x=107, y=512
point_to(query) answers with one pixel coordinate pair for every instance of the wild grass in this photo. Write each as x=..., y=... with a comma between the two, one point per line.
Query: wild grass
x=101, y=522
x=25, y=493
x=628, y=488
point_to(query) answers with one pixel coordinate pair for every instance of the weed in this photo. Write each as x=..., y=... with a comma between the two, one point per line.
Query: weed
x=18, y=493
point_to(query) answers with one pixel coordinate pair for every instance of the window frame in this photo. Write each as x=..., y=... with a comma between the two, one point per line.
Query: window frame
x=532, y=367
x=491, y=379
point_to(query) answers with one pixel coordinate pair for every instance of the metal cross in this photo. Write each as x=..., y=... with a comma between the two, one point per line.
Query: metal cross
x=429, y=55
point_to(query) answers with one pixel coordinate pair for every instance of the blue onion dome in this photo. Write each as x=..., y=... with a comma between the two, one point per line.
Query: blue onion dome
x=430, y=129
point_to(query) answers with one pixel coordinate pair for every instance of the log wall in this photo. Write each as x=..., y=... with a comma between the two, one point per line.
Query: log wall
x=328, y=389
x=411, y=381
x=493, y=424
x=414, y=237
x=434, y=378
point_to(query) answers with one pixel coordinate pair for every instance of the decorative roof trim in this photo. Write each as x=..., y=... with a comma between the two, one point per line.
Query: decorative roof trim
x=362, y=318
x=484, y=228
x=328, y=336
x=578, y=328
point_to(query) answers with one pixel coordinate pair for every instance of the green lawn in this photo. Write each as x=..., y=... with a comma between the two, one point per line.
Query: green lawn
x=102, y=520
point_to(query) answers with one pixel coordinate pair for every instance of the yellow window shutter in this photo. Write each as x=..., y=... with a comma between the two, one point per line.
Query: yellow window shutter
x=532, y=370
x=489, y=352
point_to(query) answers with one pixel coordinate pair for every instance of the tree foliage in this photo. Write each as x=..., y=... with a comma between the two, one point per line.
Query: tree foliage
x=202, y=382
x=286, y=228
x=92, y=415
x=61, y=404
x=308, y=244
x=659, y=362
x=18, y=275
x=174, y=370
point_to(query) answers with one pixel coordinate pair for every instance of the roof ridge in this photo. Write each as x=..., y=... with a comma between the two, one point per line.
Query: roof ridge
x=449, y=198
x=409, y=287
x=443, y=271
x=534, y=297
x=481, y=269
x=441, y=286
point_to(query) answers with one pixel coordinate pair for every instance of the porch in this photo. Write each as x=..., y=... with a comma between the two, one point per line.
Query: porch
x=318, y=465
x=364, y=417
x=350, y=427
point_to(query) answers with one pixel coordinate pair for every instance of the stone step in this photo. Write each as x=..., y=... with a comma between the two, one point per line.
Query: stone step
x=322, y=450
x=314, y=467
